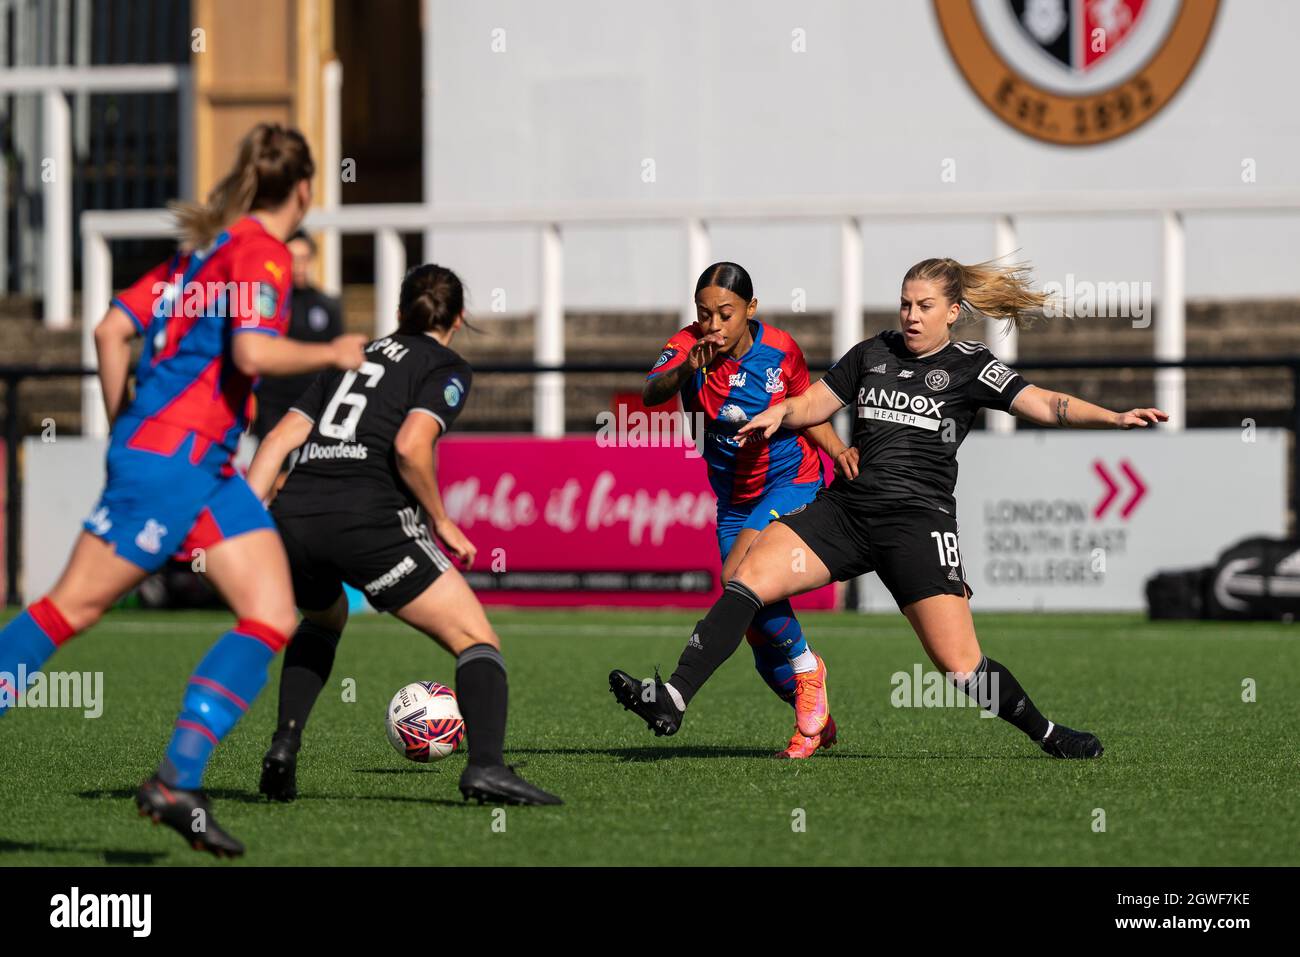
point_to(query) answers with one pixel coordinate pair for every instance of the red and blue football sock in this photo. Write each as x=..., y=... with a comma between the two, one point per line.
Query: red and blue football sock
x=780, y=648
x=222, y=687
x=772, y=665
x=26, y=643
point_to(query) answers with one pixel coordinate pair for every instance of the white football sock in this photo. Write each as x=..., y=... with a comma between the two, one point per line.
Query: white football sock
x=676, y=696
x=803, y=663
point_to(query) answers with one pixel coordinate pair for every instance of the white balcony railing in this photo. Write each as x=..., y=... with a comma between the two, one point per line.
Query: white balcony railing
x=386, y=224
x=52, y=83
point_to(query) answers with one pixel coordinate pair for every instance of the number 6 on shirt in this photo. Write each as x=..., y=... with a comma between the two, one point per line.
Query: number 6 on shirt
x=346, y=430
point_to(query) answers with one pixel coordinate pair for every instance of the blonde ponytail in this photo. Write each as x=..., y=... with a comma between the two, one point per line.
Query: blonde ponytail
x=995, y=289
x=269, y=163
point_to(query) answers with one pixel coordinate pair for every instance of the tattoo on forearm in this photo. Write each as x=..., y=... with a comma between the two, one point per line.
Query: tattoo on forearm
x=1062, y=408
x=662, y=388
x=652, y=393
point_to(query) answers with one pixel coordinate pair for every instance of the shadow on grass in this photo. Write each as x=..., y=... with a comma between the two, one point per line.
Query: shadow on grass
x=414, y=769
x=128, y=794
x=250, y=797
x=655, y=753
x=668, y=752
x=109, y=855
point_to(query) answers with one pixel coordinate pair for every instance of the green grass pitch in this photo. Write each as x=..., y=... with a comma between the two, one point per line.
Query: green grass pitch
x=1192, y=774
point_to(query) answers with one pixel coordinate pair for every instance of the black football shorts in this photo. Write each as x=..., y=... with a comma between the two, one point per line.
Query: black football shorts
x=914, y=551
x=389, y=557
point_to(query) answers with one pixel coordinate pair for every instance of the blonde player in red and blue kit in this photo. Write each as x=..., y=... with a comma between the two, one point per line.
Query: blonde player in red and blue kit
x=212, y=317
x=727, y=367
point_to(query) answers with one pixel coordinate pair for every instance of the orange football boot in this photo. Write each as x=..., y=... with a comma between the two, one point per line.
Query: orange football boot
x=811, y=709
x=802, y=746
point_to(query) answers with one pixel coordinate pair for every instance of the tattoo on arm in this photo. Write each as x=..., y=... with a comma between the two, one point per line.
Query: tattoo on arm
x=1062, y=408
x=663, y=387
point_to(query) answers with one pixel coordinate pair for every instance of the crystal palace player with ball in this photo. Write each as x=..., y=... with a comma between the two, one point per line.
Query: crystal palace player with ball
x=349, y=512
x=728, y=366
x=916, y=392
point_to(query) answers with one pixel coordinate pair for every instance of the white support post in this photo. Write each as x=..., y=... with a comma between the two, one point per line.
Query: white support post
x=697, y=260
x=548, y=336
x=56, y=183
x=846, y=325
x=4, y=167
x=26, y=132
x=81, y=99
x=1171, y=323
x=846, y=329
x=331, y=245
x=390, y=266
x=96, y=293
x=426, y=132
x=1005, y=342
x=4, y=232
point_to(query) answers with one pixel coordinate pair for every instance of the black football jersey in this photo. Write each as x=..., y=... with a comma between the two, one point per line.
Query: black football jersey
x=347, y=463
x=911, y=415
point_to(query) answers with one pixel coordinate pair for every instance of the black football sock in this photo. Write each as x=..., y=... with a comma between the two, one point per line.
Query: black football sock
x=482, y=692
x=997, y=691
x=716, y=638
x=307, y=664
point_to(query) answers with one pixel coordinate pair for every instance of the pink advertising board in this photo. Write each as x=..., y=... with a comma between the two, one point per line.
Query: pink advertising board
x=569, y=522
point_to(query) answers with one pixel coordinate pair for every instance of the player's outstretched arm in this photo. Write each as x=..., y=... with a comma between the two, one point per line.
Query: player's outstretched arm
x=417, y=465
x=1044, y=407
x=814, y=407
x=289, y=433
x=828, y=440
x=113, y=338
x=257, y=355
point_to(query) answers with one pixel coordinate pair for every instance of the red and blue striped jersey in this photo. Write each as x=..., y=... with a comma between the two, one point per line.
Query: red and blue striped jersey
x=727, y=394
x=189, y=309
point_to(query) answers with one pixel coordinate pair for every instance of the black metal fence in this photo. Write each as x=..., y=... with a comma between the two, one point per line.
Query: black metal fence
x=13, y=377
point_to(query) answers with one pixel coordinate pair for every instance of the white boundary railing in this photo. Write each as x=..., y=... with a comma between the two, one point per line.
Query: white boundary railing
x=332, y=184
x=52, y=83
x=386, y=223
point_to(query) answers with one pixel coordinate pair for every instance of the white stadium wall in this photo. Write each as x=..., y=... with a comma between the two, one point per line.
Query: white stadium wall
x=1033, y=509
x=716, y=96
x=61, y=482
x=1078, y=521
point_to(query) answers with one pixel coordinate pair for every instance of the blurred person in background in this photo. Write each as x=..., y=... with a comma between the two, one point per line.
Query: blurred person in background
x=315, y=316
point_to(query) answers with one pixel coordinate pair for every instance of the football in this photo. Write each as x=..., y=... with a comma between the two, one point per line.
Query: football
x=424, y=722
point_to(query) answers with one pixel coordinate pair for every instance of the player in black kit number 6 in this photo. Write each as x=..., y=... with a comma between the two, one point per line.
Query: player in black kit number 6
x=915, y=391
x=350, y=511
